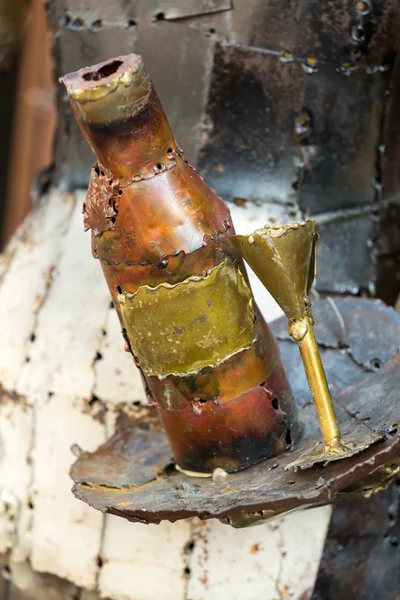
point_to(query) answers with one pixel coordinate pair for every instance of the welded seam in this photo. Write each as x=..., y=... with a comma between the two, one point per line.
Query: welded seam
x=146, y=263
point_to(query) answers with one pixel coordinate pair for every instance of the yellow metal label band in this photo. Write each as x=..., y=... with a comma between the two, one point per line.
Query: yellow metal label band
x=182, y=328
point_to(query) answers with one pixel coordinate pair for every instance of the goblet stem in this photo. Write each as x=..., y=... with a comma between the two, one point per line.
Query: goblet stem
x=303, y=333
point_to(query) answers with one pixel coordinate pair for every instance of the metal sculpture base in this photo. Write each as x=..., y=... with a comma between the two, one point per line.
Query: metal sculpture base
x=133, y=475
x=350, y=445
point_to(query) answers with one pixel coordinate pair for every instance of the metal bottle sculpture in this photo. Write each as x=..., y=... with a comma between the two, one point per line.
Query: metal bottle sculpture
x=283, y=258
x=164, y=240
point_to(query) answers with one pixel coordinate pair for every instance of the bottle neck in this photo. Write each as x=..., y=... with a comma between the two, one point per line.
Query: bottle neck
x=122, y=119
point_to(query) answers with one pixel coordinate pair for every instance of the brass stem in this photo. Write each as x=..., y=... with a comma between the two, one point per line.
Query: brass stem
x=319, y=386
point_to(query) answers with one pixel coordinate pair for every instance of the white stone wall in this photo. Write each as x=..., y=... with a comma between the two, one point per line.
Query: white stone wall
x=55, y=317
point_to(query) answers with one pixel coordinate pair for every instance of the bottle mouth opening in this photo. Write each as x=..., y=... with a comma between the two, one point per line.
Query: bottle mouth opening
x=103, y=72
x=106, y=73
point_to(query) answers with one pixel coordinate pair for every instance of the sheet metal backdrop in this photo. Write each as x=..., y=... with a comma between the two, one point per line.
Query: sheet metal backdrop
x=282, y=101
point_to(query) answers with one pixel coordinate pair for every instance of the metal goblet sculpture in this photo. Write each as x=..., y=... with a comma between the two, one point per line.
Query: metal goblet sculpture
x=283, y=258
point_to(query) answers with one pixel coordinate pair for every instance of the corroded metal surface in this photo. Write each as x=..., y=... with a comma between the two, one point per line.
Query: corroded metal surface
x=141, y=9
x=262, y=487
x=339, y=154
x=163, y=238
x=368, y=401
x=346, y=253
x=388, y=252
x=306, y=29
x=249, y=146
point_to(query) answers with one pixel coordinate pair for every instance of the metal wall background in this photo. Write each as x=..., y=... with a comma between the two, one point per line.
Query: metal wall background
x=292, y=102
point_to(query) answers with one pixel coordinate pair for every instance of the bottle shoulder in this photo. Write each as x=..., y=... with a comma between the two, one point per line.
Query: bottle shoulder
x=147, y=220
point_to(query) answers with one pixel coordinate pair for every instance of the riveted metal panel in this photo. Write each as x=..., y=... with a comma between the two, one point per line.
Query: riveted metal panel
x=390, y=148
x=326, y=30
x=248, y=131
x=183, y=8
x=339, y=154
x=346, y=256
x=120, y=12
x=77, y=49
x=180, y=61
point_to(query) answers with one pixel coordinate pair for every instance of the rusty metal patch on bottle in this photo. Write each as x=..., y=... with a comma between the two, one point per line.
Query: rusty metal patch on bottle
x=180, y=329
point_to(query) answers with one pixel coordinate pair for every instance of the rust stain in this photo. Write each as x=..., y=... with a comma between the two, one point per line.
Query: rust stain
x=11, y=397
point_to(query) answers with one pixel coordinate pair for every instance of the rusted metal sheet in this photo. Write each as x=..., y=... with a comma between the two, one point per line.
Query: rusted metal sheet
x=249, y=147
x=170, y=9
x=78, y=15
x=346, y=254
x=119, y=449
x=388, y=252
x=88, y=12
x=388, y=278
x=309, y=28
x=289, y=135
x=388, y=234
x=187, y=57
x=388, y=238
x=390, y=142
x=361, y=557
x=339, y=153
x=329, y=31
x=371, y=397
